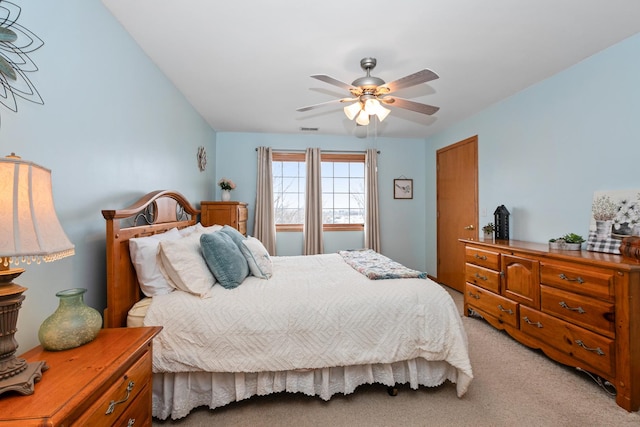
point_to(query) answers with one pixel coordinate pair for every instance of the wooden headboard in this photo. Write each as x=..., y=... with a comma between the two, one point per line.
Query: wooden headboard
x=154, y=213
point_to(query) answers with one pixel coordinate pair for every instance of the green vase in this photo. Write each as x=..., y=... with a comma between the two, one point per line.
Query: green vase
x=72, y=324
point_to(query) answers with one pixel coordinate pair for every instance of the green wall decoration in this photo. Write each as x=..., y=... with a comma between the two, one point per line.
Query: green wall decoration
x=16, y=43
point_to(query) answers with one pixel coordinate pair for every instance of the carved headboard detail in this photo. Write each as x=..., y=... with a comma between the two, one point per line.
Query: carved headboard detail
x=154, y=213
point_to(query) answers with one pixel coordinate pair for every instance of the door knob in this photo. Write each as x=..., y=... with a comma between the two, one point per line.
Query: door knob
x=470, y=227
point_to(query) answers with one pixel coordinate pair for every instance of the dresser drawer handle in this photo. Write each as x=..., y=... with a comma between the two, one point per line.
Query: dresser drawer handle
x=577, y=309
x=508, y=311
x=112, y=405
x=568, y=279
x=538, y=324
x=478, y=276
x=482, y=257
x=596, y=350
x=472, y=295
x=131, y=422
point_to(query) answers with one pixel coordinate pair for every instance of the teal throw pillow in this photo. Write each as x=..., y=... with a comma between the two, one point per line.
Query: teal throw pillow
x=235, y=235
x=224, y=259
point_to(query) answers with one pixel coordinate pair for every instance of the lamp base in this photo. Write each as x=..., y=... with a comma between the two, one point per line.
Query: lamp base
x=24, y=382
x=15, y=373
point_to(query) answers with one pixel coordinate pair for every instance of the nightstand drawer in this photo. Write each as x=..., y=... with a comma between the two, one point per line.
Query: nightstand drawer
x=139, y=412
x=118, y=399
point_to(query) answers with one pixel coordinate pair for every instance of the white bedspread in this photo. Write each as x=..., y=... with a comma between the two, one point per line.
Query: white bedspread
x=315, y=312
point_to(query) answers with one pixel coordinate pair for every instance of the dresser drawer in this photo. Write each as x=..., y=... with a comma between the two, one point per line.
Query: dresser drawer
x=593, y=350
x=242, y=227
x=243, y=214
x=483, y=277
x=121, y=394
x=482, y=257
x=592, y=314
x=594, y=282
x=503, y=309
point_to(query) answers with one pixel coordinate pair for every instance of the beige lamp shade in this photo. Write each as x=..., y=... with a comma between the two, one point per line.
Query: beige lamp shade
x=29, y=227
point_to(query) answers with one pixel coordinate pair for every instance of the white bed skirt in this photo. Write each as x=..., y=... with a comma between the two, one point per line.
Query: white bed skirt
x=176, y=394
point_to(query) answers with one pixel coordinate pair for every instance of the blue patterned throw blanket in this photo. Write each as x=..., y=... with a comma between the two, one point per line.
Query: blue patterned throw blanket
x=377, y=266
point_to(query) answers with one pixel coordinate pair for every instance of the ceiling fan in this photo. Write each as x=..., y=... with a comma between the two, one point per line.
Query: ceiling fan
x=368, y=93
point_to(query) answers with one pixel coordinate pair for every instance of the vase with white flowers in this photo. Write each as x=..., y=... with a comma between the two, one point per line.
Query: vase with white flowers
x=226, y=185
x=604, y=210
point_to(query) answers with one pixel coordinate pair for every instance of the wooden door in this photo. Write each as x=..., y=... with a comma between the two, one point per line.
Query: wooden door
x=457, y=204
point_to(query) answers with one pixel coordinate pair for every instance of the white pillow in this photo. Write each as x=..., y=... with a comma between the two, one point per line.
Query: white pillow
x=202, y=229
x=136, y=314
x=143, y=251
x=198, y=228
x=258, y=257
x=182, y=264
x=188, y=230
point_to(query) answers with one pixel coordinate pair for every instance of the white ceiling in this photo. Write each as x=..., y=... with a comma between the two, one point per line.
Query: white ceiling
x=245, y=65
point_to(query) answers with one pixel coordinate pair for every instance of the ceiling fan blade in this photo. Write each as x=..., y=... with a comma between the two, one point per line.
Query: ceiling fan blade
x=322, y=104
x=332, y=81
x=421, y=76
x=410, y=105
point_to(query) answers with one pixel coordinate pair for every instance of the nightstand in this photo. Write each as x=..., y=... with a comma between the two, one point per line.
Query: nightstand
x=233, y=214
x=105, y=382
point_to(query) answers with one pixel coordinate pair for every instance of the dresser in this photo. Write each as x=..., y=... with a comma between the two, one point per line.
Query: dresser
x=103, y=383
x=580, y=308
x=233, y=214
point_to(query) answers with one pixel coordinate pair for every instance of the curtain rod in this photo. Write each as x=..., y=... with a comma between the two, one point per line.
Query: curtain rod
x=282, y=150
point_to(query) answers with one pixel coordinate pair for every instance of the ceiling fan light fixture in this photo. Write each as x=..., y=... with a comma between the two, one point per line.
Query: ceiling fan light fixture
x=382, y=112
x=352, y=110
x=373, y=107
x=363, y=118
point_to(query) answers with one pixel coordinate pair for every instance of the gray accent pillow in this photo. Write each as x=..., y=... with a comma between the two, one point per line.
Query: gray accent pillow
x=224, y=259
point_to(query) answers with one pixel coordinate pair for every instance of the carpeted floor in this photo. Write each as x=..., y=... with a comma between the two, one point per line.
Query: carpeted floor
x=513, y=385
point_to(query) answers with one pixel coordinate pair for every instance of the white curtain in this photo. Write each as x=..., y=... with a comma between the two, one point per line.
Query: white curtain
x=313, y=204
x=372, y=216
x=264, y=226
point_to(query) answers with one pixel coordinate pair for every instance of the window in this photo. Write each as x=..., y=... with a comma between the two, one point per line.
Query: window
x=343, y=197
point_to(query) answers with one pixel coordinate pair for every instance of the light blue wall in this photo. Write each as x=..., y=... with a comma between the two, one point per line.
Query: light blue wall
x=112, y=129
x=544, y=151
x=402, y=221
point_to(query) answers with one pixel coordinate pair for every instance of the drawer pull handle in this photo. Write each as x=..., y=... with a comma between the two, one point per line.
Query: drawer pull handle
x=596, y=350
x=472, y=295
x=538, y=324
x=131, y=422
x=508, y=311
x=478, y=276
x=577, y=309
x=568, y=279
x=112, y=405
x=482, y=257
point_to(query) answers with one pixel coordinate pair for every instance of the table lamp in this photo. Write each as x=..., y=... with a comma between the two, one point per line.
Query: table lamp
x=29, y=233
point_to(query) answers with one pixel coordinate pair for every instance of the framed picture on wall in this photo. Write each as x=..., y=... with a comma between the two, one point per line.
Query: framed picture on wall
x=614, y=216
x=403, y=188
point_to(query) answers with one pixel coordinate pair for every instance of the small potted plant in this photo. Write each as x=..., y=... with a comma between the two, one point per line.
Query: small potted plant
x=488, y=231
x=568, y=242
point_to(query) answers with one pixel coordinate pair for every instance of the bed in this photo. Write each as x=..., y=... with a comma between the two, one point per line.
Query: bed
x=319, y=325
